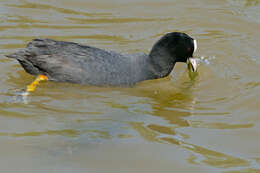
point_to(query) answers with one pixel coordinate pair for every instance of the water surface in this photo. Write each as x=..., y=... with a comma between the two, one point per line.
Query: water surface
x=208, y=124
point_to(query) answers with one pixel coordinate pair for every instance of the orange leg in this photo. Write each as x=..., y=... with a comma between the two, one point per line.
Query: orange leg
x=36, y=82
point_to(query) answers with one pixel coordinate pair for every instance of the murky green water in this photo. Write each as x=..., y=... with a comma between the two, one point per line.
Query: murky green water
x=209, y=124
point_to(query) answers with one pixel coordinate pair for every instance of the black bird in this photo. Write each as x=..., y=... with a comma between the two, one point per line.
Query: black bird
x=76, y=63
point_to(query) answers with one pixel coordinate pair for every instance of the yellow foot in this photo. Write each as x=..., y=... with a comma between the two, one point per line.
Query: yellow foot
x=36, y=82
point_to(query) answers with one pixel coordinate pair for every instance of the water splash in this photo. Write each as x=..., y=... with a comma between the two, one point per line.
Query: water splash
x=205, y=59
x=21, y=97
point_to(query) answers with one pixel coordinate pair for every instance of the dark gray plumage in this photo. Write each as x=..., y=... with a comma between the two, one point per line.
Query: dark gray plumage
x=71, y=62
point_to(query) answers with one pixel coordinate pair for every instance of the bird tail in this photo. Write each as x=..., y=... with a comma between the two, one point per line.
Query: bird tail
x=19, y=55
x=23, y=57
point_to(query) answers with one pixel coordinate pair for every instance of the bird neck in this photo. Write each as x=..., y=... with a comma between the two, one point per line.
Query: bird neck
x=161, y=62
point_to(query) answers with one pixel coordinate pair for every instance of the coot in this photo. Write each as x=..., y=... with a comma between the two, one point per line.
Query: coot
x=76, y=63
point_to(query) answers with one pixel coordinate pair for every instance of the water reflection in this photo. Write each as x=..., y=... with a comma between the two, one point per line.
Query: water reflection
x=210, y=157
x=251, y=3
x=64, y=132
x=25, y=4
x=246, y=3
x=170, y=101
